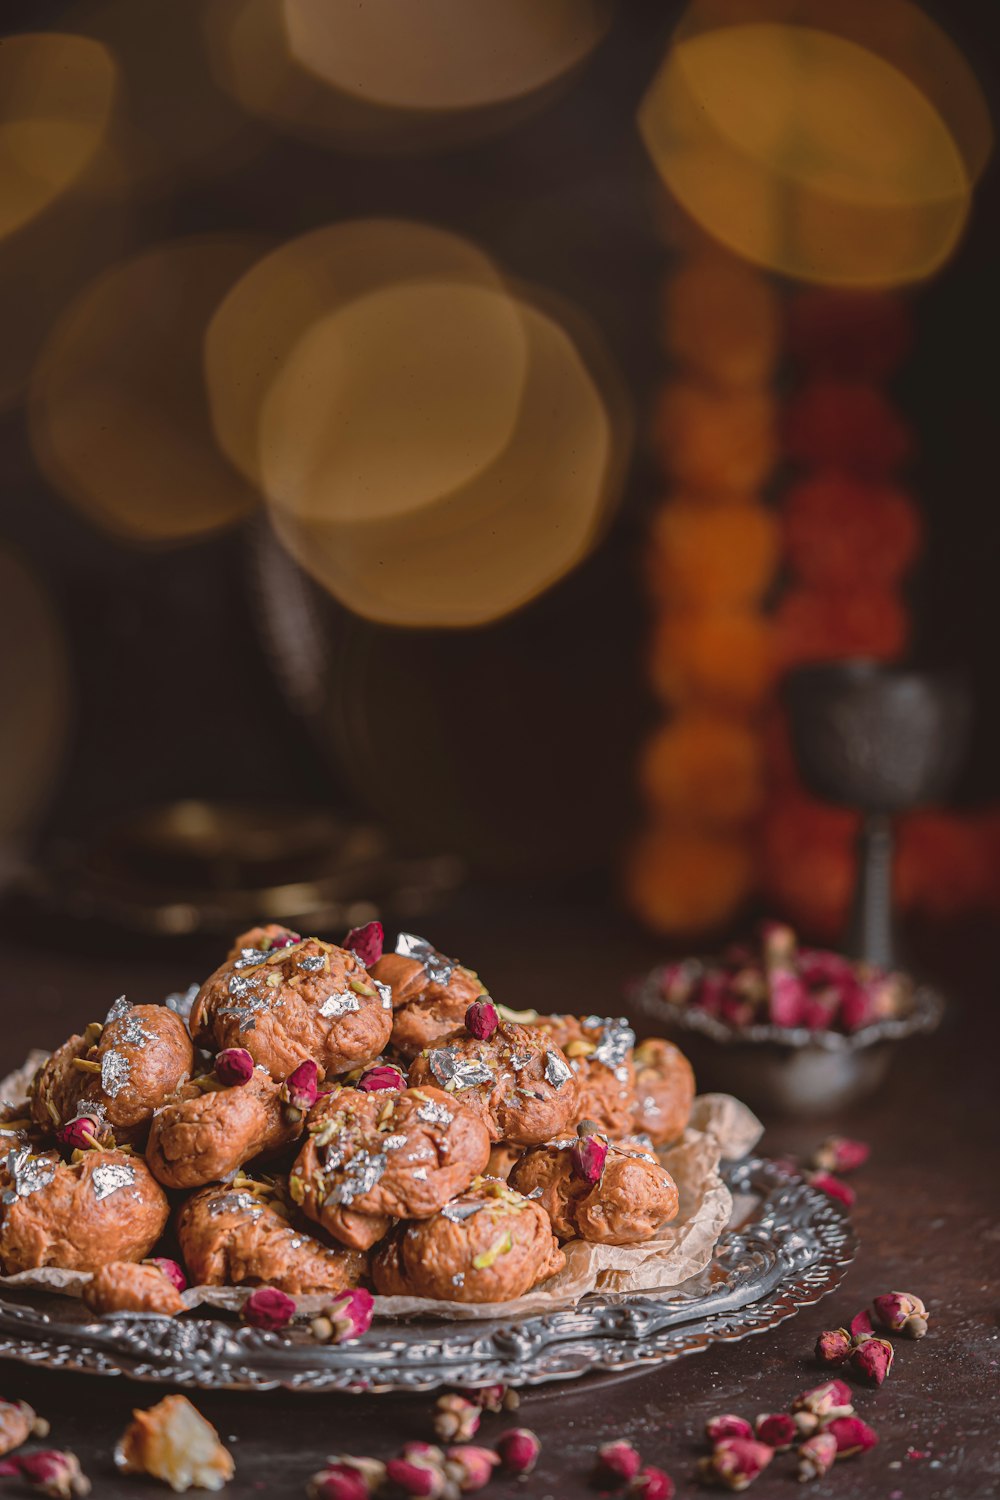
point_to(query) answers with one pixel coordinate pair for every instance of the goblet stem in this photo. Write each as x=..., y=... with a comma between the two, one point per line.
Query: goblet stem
x=869, y=935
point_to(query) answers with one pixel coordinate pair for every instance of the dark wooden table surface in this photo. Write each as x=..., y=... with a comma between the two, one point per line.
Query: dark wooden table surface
x=928, y=1213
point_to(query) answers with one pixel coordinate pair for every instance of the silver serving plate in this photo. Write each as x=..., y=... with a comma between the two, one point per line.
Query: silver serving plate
x=785, y=1069
x=791, y=1246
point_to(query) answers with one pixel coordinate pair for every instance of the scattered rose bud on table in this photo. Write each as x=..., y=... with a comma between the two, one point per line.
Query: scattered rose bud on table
x=469, y=1467
x=832, y=1187
x=519, y=1449
x=347, y=1478
x=872, y=1360
x=840, y=1154
x=617, y=1461
x=651, y=1484
x=851, y=1435
x=456, y=1418
x=779, y=1430
x=50, y=1472
x=834, y=1346
x=901, y=1312
x=727, y=1426
x=735, y=1463
x=816, y=1455
x=19, y=1422
x=861, y=1326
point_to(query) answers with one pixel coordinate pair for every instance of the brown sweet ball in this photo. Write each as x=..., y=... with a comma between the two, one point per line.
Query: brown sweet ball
x=664, y=1085
x=518, y=1082
x=120, y=1071
x=372, y=1157
x=622, y=1200
x=488, y=1245
x=502, y=1159
x=285, y=1005
x=230, y=1235
x=203, y=1136
x=430, y=993
x=106, y=1206
x=599, y=1050
x=123, y=1286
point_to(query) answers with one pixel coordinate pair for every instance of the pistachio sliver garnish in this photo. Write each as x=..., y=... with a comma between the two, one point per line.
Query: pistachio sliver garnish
x=487, y=1258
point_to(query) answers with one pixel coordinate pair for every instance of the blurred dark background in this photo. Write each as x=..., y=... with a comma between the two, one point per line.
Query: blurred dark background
x=514, y=743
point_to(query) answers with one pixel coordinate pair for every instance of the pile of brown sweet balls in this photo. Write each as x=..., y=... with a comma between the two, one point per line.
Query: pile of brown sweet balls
x=330, y=1117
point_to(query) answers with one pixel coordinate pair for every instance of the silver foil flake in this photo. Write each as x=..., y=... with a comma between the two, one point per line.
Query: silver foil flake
x=130, y=1032
x=312, y=963
x=339, y=1004
x=433, y=1113
x=120, y=1008
x=437, y=967
x=535, y=1193
x=249, y=1002
x=520, y=1060
x=393, y=1142
x=251, y=958
x=29, y=1173
x=419, y=1174
x=615, y=1041
x=115, y=1070
x=384, y=993
x=361, y=1174
x=458, y=1211
x=235, y=1203
x=557, y=1070
x=453, y=1071
x=110, y=1176
x=458, y=1279
x=181, y=1002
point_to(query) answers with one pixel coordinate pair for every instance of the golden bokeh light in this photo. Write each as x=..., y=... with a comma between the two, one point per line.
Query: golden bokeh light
x=442, y=54
x=56, y=96
x=310, y=278
x=812, y=151
x=395, y=77
x=488, y=546
x=118, y=411
x=34, y=684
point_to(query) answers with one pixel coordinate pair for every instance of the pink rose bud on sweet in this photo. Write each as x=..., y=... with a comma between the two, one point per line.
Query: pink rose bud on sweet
x=338, y=1482
x=851, y=1435
x=840, y=1154
x=381, y=1079
x=301, y=1088
x=350, y=1314
x=816, y=1455
x=285, y=939
x=417, y=1476
x=234, y=1066
x=778, y=1430
x=366, y=943
x=651, y=1484
x=482, y=1019
x=519, y=1449
x=455, y=1417
x=832, y=1187
x=834, y=1346
x=170, y=1269
x=587, y=1157
x=79, y=1134
x=735, y=1463
x=727, y=1426
x=872, y=1359
x=901, y=1312
x=50, y=1472
x=268, y=1308
x=470, y=1468
x=618, y=1460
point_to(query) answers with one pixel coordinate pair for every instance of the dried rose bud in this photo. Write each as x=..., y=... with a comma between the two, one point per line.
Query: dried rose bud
x=366, y=943
x=268, y=1308
x=470, y=1468
x=482, y=1019
x=838, y=1153
x=901, y=1312
x=417, y=1476
x=300, y=1089
x=778, y=1430
x=492, y=1397
x=380, y=1079
x=170, y=1269
x=587, y=1157
x=19, y=1422
x=821, y=1404
x=832, y=1187
x=851, y=1434
x=79, y=1134
x=857, y=1005
x=234, y=1066
x=786, y=1002
x=651, y=1484
x=338, y=1482
x=519, y=1449
x=284, y=939
x=349, y=1315
x=50, y=1472
x=861, y=1326
x=735, y=1463
x=834, y=1346
x=618, y=1460
x=727, y=1426
x=872, y=1359
x=456, y=1418
x=816, y=1455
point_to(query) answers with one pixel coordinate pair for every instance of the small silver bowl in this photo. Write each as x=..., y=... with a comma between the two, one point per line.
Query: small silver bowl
x=784, y=1070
